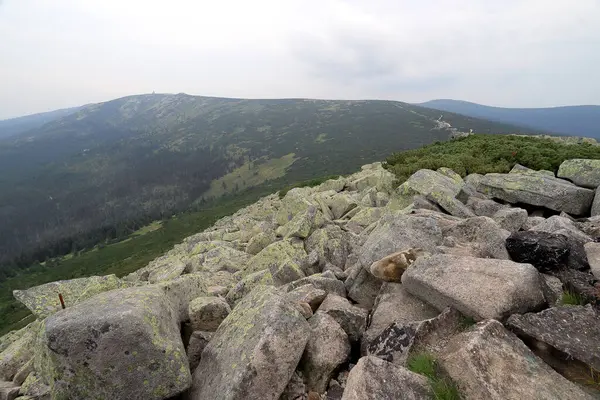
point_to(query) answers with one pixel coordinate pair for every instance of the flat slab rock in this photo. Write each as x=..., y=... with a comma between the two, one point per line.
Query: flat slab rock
x=574, y=330
x=488, y=362
x=480, y=288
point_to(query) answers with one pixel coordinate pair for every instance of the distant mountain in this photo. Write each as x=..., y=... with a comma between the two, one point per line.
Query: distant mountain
x=569, y=120
x=16, y=126
x=104, y=169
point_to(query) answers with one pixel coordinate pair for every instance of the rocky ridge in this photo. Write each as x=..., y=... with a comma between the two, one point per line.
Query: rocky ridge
x=333, y=291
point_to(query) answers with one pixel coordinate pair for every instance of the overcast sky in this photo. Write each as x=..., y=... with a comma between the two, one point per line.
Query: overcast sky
x=521, y=53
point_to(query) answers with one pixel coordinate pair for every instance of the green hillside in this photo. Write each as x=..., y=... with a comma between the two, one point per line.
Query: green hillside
x=106, y=170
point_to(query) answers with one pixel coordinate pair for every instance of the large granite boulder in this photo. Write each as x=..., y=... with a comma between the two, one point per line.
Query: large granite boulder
x=351, y=318
x=122, y=344
x=582, y=172
x=545, y=251
x=295, y=202
x=43, y=300
x=254, y=352
x=511, y=219
x=488, y=362
x=328, y=347
x=480, y=288
x=572, y=330
x=340, y=204
x=302, y=224
x=538, y=190
x=375, y=379
x=395, y=304
x=331, y=244
x=183, y=289
x=207, y=313
x=220, y=258
x=479, y=236
x=260, y=241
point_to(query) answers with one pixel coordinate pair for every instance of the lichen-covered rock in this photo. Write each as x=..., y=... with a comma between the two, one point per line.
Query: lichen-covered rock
x=351, y=318
x=276, y=254
x=481, y=235
x=395, y=304
x=340, y=204
x=122, y=344
x=329, y=285
x=375, y=379
x=331, y=244
x=43, y=300
x=426, y=181
x=511, y=219
x=167, y=272
x=34, y=389
x=221, y=258
x=260, y=241
x=308, y=294
x=246, y=285
x=18, y=353
x=327, y=348
x=538, y=190
x=485, y=207
x=303, y=224
x=183, y=289
x=254, y=352
x=532, y=222
x=582, y=172
x=595, y=211
x=295, y=389
x=207, y=313
x=520, y=169
x=488, y=362
x=552, y=288
x=572, y=330
x=295, y=202
x=480, y=288
x=367, y=215
x=362, y=286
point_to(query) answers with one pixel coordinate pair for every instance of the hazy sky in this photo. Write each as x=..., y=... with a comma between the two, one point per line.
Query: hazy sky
x=61, y=53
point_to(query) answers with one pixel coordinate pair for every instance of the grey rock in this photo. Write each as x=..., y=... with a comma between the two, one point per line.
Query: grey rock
x=592, y=251
x=329, y=285
x=375, y=379
x=552, y=288
x=362, y=286
x=485, y=207
x=395, y=304
x=8, y=391
x=468, y=191
x=477, y=287
x=285, y=251
x=121, y=344
x=18, y=353
x=532, y=222
x=167, y=272
x=308, y=294
x=295, y=389
x=303, y=224
x=511, y=219
x=572, y=330
x=340, y=204
x=545, y=251
x=331, y=244
x=260, y=241
x=337, y=272
x=24, y=372
x=481, y=235
x=328, y=347
x=581, y=283
x=183, y=289
x=399, y=340
x=207, y=313
x=246, y=285
x=43, y=300
x=488, y=362
x=351, y=318
x=426, y=181
x=520, y=169
x=537, y=190
x=582, y=172
x=254, y=352
x=198, y=342
x=595, y=211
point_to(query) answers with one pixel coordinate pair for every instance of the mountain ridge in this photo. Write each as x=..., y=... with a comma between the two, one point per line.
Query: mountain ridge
x=578, y=120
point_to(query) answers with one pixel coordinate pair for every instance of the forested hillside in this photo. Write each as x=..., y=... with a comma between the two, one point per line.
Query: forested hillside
x=16, y=126
x=104, y=171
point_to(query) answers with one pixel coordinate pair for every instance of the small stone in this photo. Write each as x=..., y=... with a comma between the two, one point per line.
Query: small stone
x=308, y=294
x=511, y=219
x=351, y=318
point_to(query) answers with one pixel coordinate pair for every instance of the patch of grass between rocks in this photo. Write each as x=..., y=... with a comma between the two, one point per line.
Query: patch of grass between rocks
x=425, y=364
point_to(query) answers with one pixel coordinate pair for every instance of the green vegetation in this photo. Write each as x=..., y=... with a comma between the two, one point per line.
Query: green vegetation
x=425, y=364
x=489, y=153
x=467, y=322
x=571, y=298
x=309, y=183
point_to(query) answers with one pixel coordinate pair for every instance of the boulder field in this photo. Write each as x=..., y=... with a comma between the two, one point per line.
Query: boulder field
x=359, y=288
